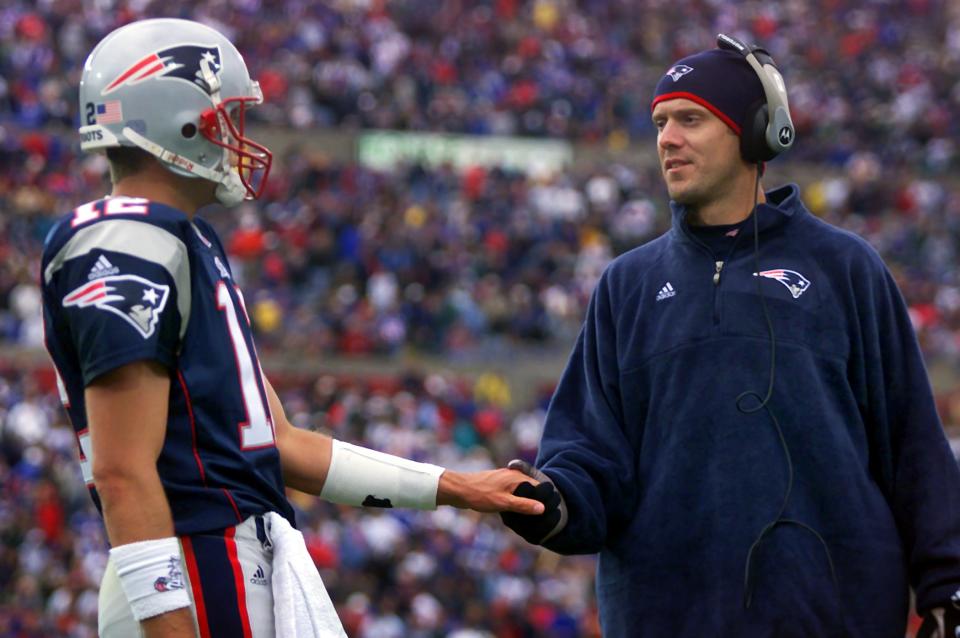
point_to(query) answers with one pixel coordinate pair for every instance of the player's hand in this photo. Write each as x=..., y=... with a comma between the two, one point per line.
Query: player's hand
x=490, y=491
x=540, y=528
x=942, y=622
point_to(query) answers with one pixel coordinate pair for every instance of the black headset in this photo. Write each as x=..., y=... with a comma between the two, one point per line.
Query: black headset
x=768, y=129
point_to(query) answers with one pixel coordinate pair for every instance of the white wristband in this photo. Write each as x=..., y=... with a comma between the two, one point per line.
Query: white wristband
x=360, y=476
x=151, y=576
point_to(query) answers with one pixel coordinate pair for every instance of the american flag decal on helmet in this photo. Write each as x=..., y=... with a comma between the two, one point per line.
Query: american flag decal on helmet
x=184, y=62
x=136, y=300
x=796, y=283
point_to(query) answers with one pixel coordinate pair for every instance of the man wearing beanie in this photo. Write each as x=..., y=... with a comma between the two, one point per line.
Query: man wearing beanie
x=745, y=430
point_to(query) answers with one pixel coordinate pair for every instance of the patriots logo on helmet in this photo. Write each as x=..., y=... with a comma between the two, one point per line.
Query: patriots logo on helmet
x=136, y=300
x=678, y=71
x=184, y=62
x=796, y=283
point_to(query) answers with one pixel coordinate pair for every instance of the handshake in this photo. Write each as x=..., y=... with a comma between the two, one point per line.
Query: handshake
x=942, y=622
x=538, y=528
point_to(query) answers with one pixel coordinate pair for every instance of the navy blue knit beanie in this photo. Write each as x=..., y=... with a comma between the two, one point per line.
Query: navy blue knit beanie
x=719, y=80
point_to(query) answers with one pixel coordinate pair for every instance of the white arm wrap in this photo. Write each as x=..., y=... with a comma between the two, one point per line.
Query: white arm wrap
x=360, y=476
x=151, y=576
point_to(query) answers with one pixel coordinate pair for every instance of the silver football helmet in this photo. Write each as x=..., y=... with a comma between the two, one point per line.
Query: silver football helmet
x=178, y=90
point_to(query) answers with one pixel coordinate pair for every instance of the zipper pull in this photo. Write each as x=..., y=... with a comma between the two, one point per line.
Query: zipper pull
x=716, y=275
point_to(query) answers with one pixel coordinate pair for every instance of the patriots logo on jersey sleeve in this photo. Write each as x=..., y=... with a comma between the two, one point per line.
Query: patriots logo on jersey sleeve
x=796, y=283
x=184, y=62
x=137, y=300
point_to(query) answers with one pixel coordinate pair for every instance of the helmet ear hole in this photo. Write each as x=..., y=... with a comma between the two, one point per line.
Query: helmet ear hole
x=189, y=130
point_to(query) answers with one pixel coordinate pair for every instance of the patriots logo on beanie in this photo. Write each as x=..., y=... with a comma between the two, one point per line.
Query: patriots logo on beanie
x=677, y=71
x=724, y=84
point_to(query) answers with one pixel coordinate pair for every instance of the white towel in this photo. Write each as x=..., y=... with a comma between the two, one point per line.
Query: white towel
x=301, y=604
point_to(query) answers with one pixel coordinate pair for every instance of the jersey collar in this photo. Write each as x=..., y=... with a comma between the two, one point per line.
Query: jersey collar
x=782, y=205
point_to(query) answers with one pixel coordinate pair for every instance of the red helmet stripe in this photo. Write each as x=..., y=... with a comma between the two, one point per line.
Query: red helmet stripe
x=150, y=59
x=159, y=66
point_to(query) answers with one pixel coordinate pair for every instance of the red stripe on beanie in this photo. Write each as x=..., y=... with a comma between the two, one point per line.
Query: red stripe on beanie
x=699, y=100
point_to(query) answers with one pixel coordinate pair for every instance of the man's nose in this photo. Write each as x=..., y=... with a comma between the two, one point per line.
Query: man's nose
x=670, y=135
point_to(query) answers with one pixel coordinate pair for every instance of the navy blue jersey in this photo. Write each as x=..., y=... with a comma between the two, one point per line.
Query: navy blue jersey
x=126, y=280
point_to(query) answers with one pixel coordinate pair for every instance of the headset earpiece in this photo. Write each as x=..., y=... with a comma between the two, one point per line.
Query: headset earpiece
x=761, y=139
x=753, y=137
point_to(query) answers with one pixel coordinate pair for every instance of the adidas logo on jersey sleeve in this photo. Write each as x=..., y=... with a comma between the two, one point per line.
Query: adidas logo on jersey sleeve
x=102, y=268
x=259, y=578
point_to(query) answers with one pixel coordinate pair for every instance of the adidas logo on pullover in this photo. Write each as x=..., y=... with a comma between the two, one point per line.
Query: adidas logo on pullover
x=666, y=292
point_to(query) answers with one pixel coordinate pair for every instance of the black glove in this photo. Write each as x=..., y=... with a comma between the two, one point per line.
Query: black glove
x=536, y=529
x=942, y=622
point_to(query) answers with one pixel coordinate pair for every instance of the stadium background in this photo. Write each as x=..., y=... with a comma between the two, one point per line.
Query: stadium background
x=450, y=179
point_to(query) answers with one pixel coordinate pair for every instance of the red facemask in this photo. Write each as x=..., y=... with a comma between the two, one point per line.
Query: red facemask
x=224, y=126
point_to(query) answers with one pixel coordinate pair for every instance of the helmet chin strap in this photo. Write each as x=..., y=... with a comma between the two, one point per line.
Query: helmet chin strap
x=230, y=189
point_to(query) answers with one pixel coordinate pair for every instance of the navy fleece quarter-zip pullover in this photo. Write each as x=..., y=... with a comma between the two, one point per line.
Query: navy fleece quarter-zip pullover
x=672, y=480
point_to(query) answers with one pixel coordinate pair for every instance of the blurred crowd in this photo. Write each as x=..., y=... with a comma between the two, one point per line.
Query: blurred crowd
x=873, y=74
x=345, y=260
x=341, y=260
x=391, y=574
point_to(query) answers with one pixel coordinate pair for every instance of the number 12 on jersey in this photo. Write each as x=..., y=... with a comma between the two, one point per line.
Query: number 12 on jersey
x=257, y=430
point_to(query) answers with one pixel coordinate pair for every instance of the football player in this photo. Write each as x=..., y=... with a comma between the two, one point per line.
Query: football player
x=183, y=442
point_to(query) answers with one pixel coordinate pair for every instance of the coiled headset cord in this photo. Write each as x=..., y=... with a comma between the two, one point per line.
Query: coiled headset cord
x=764, y=404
